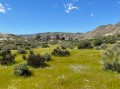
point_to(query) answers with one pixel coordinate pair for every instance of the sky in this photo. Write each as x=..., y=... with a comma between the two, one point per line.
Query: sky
x=37, y=16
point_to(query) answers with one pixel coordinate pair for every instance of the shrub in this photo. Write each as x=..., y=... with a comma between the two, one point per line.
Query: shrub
x=7, y=58
x=97, y=41
x=70, y=46
x=45, y=45
x=21, y=51
x=103, y=46
x=35, y=60
x=47, y=56
x=9, y=47
x=24, y=57
x=21, y=69
x=84, y=44
x=54, y=42
x=97, y=48
x=111, y=58
x=59, y=52
x=63, y=47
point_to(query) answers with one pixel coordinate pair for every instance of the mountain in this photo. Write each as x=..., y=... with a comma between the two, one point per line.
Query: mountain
x=103, y=30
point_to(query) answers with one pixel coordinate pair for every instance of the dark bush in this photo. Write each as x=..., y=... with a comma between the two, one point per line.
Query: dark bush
x=21, y=69
x=97, y=41
x=47, y=56
x=35, y=60
x=84, y=44
x=59, y=52
x=24, y=57
x=6, y=57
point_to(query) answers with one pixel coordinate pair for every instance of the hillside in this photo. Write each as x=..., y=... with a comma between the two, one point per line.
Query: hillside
x=103, y=30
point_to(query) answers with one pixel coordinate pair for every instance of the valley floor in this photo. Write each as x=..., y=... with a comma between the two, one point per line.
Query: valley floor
x=81, y=70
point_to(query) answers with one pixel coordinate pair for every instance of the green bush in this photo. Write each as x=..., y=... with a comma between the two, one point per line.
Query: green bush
x=6, y=57
x=84, y=44
x=97, y=41
x=111, y=58
x=103, y=46
x=9, y=47
x=35, y=60
x=97, y=48
x=70, y=45
x=47, y=56
x=63, y=47
x=21, y=51
x=59, y=52
x=45, y=45
x=21, y=69
x=54, y=42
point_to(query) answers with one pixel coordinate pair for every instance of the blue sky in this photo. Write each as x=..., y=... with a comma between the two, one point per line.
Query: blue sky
x=35, y=16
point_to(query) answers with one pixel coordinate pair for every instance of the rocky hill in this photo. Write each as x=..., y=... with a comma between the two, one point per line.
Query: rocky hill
x=103, y=30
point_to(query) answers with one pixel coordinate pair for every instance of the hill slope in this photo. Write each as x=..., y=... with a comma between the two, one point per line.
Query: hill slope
x=103, y=30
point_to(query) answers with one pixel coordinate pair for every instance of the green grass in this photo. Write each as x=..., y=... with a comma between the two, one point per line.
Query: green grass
x=81, y=70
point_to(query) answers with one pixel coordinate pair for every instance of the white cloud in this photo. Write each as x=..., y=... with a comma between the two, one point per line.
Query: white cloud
x=92, y=15
x=67, y=11
x=69, y=7
x=9, y=9
x=2, y=8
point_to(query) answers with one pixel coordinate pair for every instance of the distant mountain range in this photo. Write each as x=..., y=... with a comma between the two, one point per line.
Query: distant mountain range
x=103, y=30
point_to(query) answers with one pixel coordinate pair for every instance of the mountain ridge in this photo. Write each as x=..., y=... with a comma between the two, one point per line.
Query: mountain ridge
x=103, y=30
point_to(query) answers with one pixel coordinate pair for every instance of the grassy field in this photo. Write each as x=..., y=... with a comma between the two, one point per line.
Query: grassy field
x=81, y=70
